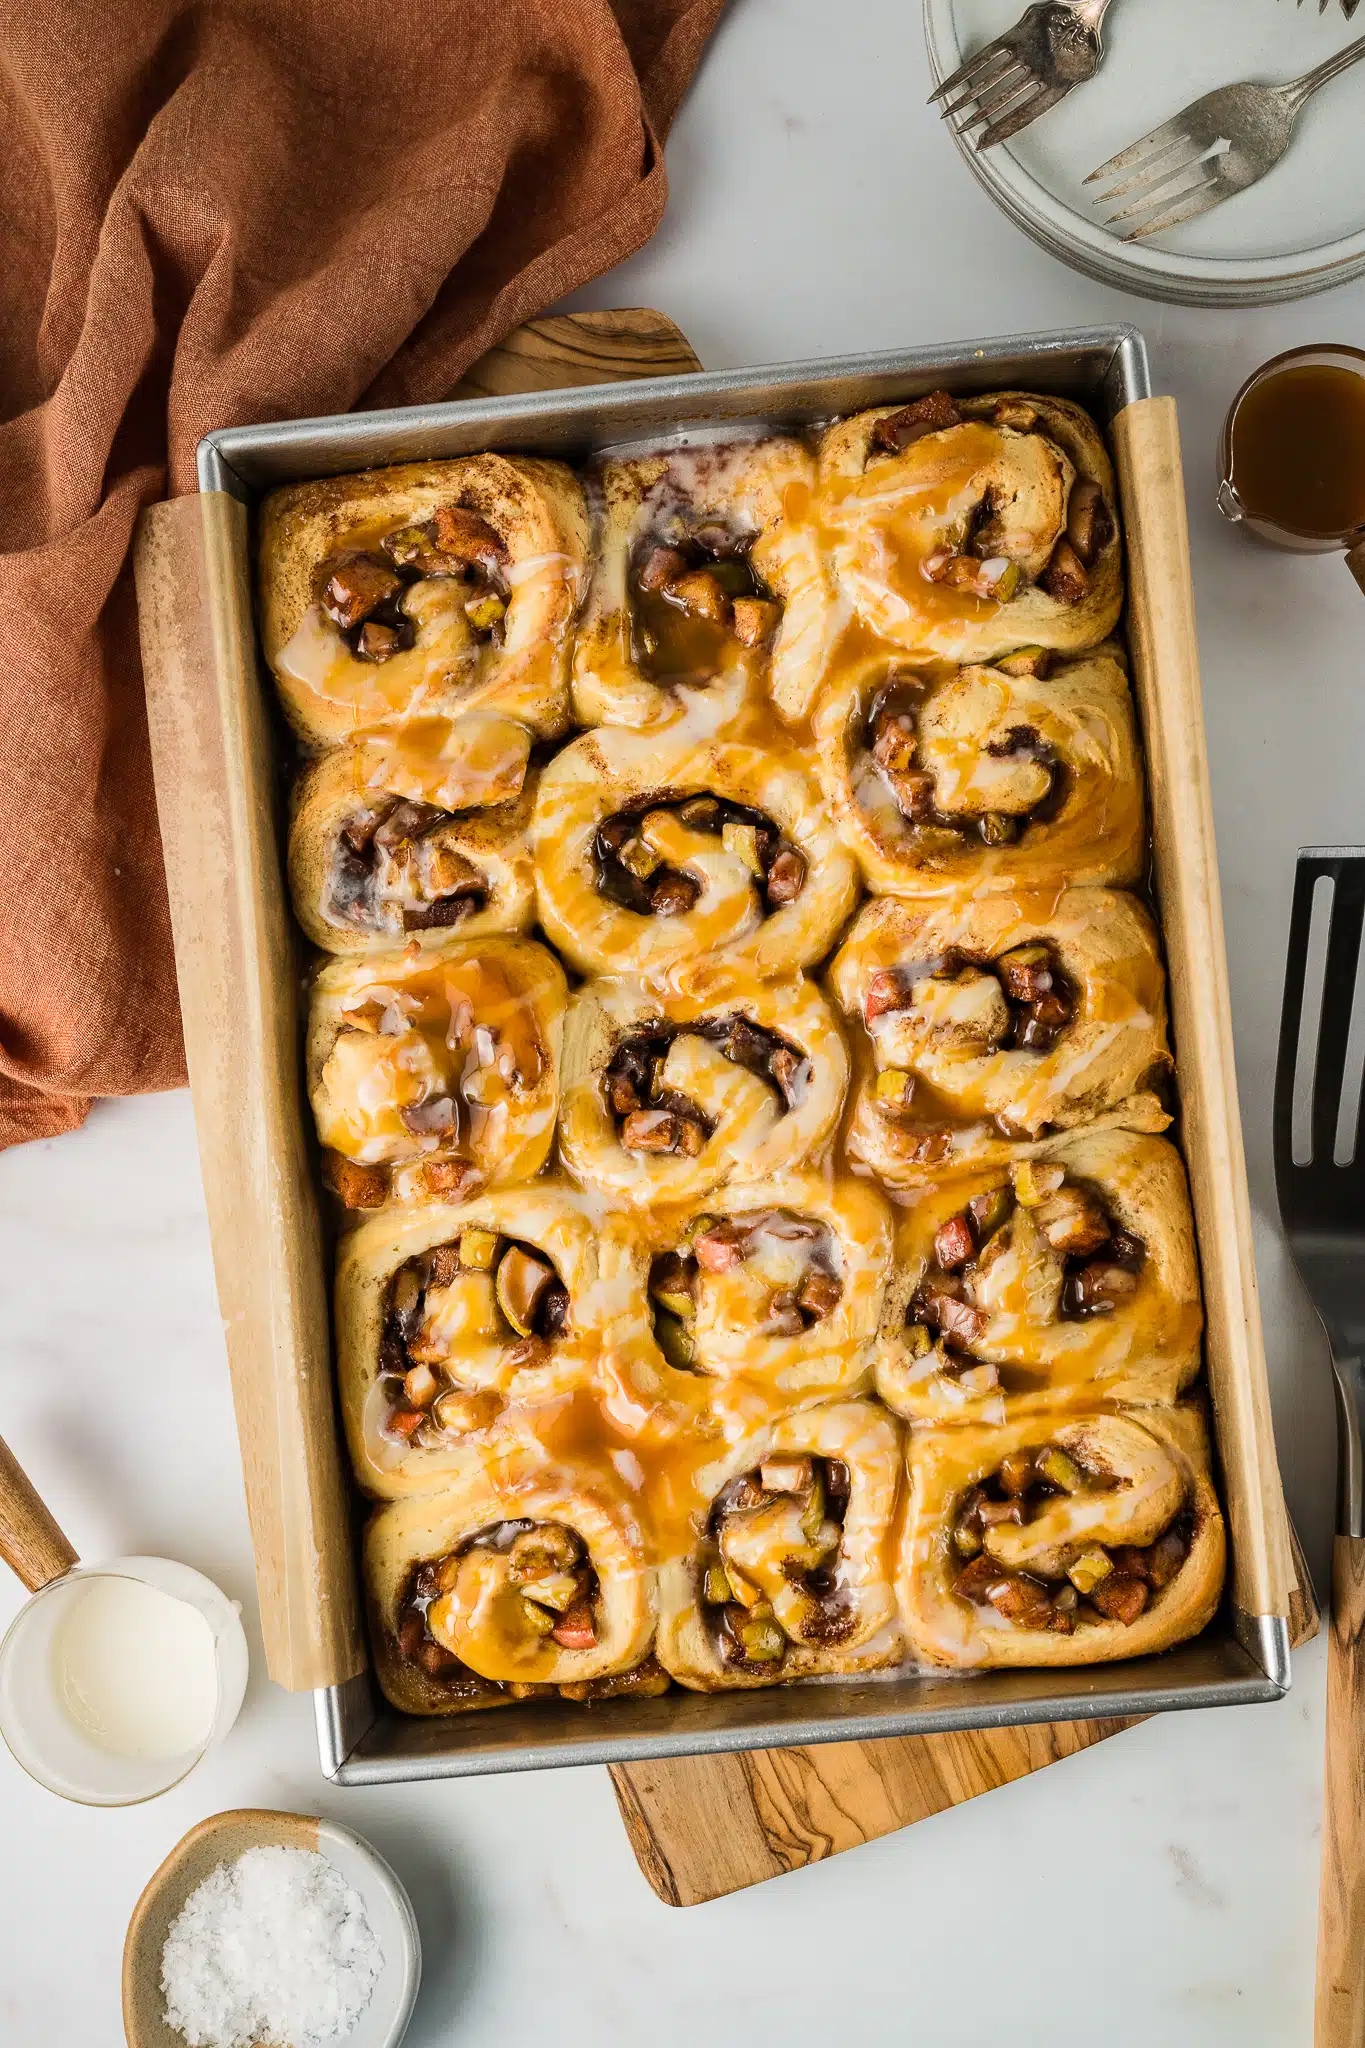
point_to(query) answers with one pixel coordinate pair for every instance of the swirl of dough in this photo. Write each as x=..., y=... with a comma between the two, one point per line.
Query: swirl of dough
x=708, y=562
x=428, y=588
x=653, y=852
x=965, y=528
x=780, y=1282
x=453, y=1324
x=667, y=1095
x=506, y=1584
x=1095, y=1539
x=370, y=867
x=1024, y=776
x=431, y=1077
x=1072, y=1269
x=992, y=1019
x=792, y=1575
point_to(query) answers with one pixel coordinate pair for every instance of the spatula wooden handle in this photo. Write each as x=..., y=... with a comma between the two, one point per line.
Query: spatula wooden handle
x=30, y=1542
x=1340, y=2011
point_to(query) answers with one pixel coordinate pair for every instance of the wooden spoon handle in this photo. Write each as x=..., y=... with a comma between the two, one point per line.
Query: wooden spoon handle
x=30, y=1542
x=1340, y=2011
x=1355, y=562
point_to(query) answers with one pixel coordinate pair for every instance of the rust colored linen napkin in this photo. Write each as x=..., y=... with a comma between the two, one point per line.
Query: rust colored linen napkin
x=213, y=213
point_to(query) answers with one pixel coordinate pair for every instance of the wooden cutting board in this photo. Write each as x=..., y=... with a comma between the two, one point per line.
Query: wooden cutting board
x=705, y=1826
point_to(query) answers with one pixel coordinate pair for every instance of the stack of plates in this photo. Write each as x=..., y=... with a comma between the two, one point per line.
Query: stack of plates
x=1300, y=230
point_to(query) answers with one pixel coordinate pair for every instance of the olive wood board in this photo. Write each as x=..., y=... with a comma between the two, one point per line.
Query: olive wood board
x=704, y=1826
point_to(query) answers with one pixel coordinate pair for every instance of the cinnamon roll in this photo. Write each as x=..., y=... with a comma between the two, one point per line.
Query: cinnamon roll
x=509, y=1585
x=1077, y=1542
x=779, y=1281
x=791, y=1575
x=1071, y=1269
x=1021, y=776
x=370, y=867
x=708, y=563
x=431, y=587
x=652, y=852
x=434, y=1075
x=666, y=1095
x=997, y=1018
x=967, y=527
x=449, y=1320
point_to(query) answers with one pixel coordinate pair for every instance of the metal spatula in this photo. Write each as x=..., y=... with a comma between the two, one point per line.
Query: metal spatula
x=1320, y=1176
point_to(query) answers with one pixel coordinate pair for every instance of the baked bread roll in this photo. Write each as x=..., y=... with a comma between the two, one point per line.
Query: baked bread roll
x=655, y=851
x=1071, y=1270
x=431, y=587
x=1022, y=776
x=708, y=564
x=370, y=868
x=792, y=1575
x=509, y=1585
x=779, y=1282
x=992, y=1019
x=454, y=1324
x=1075, y=1541
x=431, y=1077
x=967, y=527
x=667, y=1095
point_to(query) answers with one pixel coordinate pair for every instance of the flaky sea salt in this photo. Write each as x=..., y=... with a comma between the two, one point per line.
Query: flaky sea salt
x=274, y=1947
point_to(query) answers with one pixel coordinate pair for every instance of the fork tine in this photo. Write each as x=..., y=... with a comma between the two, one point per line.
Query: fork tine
x=1141, y=179
x=1010, y=124
x=979, y=90
x=1154, y=191
x=1338, y=999
x=1201, y=198
x=1128, y=159
x=1001, y=101
x=989, y=54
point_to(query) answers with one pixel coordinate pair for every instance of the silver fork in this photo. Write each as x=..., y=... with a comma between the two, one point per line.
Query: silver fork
x=1211, y=150
x=1053, y=47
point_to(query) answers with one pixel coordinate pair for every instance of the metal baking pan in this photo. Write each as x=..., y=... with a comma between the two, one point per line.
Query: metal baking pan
x=1243, y=1657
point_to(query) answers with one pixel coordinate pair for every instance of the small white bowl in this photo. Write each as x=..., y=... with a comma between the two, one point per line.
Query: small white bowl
x=44, y=1738
x=222, y=1839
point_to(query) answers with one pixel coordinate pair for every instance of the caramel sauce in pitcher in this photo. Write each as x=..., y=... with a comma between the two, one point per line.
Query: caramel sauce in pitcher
x=1298, y=450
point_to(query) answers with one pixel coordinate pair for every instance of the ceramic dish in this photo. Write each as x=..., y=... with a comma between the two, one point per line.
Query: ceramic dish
x=221, y=1839
x=1301, y=230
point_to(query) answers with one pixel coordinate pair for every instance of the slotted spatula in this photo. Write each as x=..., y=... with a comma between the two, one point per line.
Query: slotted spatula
x=1320, y=1176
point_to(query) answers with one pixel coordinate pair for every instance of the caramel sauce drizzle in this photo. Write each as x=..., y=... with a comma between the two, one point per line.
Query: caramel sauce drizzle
x=661, y=1438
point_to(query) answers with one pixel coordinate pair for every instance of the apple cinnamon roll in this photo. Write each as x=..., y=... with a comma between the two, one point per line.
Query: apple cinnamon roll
x=708, y=563
x=1024, y=775
x=667, y=1095
x=506, y=1586
x=999, y=1018
x=428, y=588
x=1070, y=1270
x=451, y=1320
x=1080, y=1542
x=433, y=1076
x=654, y=852
x=791, y=1576
x=779, y=1281
x=966, y=527
x=370, y=867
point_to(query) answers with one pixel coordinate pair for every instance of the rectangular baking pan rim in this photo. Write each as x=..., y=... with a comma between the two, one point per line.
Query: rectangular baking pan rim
x=1242, y=1659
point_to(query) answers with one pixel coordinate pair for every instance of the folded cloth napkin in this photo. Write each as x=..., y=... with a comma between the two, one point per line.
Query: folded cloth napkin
x=216, y=214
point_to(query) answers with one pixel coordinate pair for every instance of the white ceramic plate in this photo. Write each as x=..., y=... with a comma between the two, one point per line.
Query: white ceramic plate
x=1300, y=230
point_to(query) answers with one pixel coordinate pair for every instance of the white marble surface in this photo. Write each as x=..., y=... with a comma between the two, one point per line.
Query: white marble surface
x=1160, y=1888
